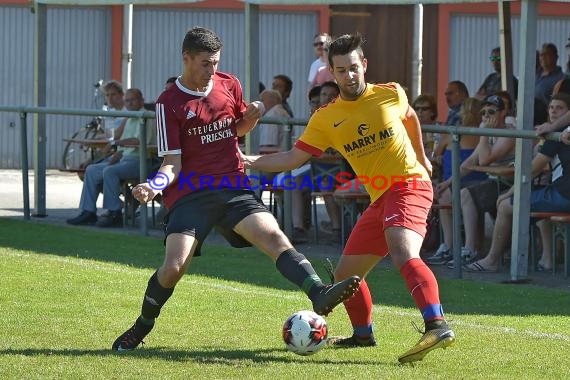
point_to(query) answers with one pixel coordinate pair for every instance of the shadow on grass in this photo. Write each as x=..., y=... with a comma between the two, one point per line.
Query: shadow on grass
x=204, y=356
x=251, y=266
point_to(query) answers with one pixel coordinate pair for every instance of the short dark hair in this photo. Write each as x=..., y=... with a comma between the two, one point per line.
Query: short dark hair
x=171, y=80
x=345, y=44
x=496, y=50
x=550, y=46
x=461, y=87
x=563, y=97
x=331, y=84
x=137, y=92
x=199, y=39
x=287, y=80
x=315, y=91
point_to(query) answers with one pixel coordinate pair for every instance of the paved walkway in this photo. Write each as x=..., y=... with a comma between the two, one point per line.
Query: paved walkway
x=62, y=199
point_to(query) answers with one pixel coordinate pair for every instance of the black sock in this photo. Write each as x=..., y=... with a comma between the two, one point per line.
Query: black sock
x=154, y=298
x=435, y=324
x=295, y=267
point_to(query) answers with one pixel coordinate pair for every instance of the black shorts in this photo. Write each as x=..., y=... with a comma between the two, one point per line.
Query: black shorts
x=197, y=213
x=485, y=194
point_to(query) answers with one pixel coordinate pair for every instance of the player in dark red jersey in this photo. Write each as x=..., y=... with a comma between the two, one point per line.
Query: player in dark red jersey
x=201, y=179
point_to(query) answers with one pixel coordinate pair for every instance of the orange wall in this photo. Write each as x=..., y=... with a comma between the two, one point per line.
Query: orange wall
x=445, y=13
x=116, y=42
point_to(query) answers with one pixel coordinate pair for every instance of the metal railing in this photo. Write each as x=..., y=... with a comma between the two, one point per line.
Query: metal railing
x=288, y=124
x=40, y=179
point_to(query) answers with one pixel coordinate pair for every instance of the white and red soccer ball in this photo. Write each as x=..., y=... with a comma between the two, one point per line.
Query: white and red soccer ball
x=305, y=332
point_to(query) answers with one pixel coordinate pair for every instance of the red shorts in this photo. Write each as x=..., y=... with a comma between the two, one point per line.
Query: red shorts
x=404, y=205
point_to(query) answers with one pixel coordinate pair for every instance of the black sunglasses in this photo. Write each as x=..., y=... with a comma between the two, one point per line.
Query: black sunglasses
x=320, y=43
x=488, y=111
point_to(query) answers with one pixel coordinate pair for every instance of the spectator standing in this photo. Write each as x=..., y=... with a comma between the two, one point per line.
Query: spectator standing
x=455, y=93
x=492, y=83
x=320, y=43
x=549, y=74
x=324, y=73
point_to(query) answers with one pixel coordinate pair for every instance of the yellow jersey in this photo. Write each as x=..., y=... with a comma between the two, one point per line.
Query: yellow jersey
x=369, y=133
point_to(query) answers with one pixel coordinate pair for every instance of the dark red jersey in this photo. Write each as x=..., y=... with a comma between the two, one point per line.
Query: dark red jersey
x=201, y=127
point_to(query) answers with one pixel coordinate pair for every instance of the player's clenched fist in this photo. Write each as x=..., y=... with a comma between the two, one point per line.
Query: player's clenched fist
x=143, y=192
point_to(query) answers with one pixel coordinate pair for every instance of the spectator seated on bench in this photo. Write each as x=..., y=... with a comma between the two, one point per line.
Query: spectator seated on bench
x=481, y=197
x=470, y=117
x=552, y=198
x=121, y=165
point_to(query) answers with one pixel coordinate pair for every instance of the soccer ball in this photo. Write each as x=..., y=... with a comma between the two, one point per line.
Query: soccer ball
x=305, y=332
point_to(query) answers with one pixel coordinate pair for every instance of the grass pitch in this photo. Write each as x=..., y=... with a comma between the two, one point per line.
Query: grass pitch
x=67, y=293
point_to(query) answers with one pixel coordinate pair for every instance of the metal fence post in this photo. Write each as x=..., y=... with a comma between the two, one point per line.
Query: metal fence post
x=456, y=203
x=24, y=161
x=143, y=157
x=287, y=195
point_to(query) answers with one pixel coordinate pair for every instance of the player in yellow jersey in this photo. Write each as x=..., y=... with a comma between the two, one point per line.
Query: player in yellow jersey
x=379, y=134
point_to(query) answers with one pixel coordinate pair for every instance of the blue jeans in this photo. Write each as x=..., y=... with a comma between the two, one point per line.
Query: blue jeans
x=110, y=177
x=548, y=199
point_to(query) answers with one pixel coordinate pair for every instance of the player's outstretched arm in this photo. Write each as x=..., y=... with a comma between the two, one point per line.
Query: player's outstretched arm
x=277, y=162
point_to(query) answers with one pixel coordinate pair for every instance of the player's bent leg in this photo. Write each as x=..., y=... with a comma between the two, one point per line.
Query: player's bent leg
x=404, y=245
x=359, y=306
x=262, y=230
x=179, y=249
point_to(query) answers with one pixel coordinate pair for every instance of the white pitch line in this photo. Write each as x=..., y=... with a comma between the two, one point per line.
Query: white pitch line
x=90, y=264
